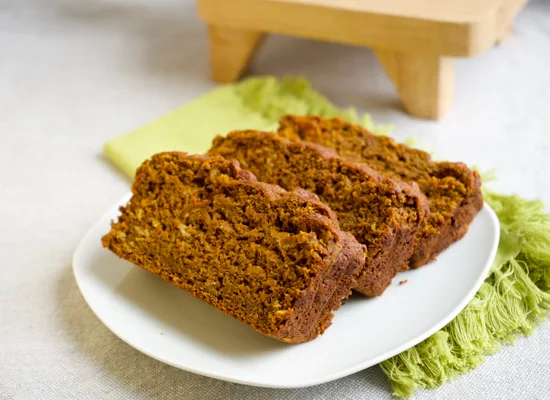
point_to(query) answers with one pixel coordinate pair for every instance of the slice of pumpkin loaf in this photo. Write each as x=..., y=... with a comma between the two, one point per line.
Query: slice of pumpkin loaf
x=272, y=259
x=453, y=190
x=379, y=212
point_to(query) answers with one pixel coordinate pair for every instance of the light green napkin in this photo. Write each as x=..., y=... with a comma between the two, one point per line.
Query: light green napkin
x=514, y=298
x=190, y=128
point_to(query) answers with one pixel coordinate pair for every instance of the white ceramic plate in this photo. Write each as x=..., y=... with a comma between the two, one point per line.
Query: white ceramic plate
x=166, y=323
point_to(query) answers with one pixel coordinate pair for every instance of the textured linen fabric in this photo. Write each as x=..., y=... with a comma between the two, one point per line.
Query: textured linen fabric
x=74, y=74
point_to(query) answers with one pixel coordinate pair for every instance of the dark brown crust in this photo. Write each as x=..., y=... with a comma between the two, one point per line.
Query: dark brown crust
x=446, y=224
x=311, y=317
x=313, y=308
x=386, y=258
x=453, y=229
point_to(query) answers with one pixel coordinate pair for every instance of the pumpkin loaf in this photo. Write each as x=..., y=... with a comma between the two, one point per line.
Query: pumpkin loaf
x=273, y=259
x=381, y=213
x=453, y=190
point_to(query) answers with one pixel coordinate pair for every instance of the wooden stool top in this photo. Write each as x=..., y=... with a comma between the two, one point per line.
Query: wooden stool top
x=415, y=40
x=460, y=28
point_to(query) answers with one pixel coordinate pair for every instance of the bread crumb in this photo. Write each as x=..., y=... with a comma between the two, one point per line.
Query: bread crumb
x=403, y=282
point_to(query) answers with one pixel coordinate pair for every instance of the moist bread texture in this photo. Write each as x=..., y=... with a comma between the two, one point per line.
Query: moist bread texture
x=383, y=214
x=453, y=190
x=273, y=259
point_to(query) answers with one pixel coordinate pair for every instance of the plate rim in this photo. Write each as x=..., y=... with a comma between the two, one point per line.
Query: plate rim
x=310, y=381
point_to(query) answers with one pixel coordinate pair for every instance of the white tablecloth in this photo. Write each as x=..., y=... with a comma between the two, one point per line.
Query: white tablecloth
x=75, y=73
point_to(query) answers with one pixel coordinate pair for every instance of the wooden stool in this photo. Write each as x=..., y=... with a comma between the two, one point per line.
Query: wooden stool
x=415, y=40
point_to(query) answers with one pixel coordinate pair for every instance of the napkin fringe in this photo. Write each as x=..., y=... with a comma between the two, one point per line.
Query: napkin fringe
x=512, y=301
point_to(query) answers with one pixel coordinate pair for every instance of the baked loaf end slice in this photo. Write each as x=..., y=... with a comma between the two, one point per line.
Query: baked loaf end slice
x=379, y=212
x=453, y=190
x=272, y=259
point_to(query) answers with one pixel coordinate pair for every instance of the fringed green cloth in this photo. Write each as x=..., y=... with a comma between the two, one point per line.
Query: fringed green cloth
x=514, y=298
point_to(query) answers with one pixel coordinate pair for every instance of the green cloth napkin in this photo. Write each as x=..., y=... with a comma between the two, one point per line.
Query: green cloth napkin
x=514, y=298
x=191, y=128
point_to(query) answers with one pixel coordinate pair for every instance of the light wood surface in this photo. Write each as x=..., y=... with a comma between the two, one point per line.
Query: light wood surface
x=442, y=10
x=412, y=37
x=344, y=22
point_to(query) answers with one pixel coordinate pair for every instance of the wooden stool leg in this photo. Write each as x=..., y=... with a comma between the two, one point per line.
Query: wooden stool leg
x=506, y=14
x=425, y=82
x=504, y=32
x=231, y=50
